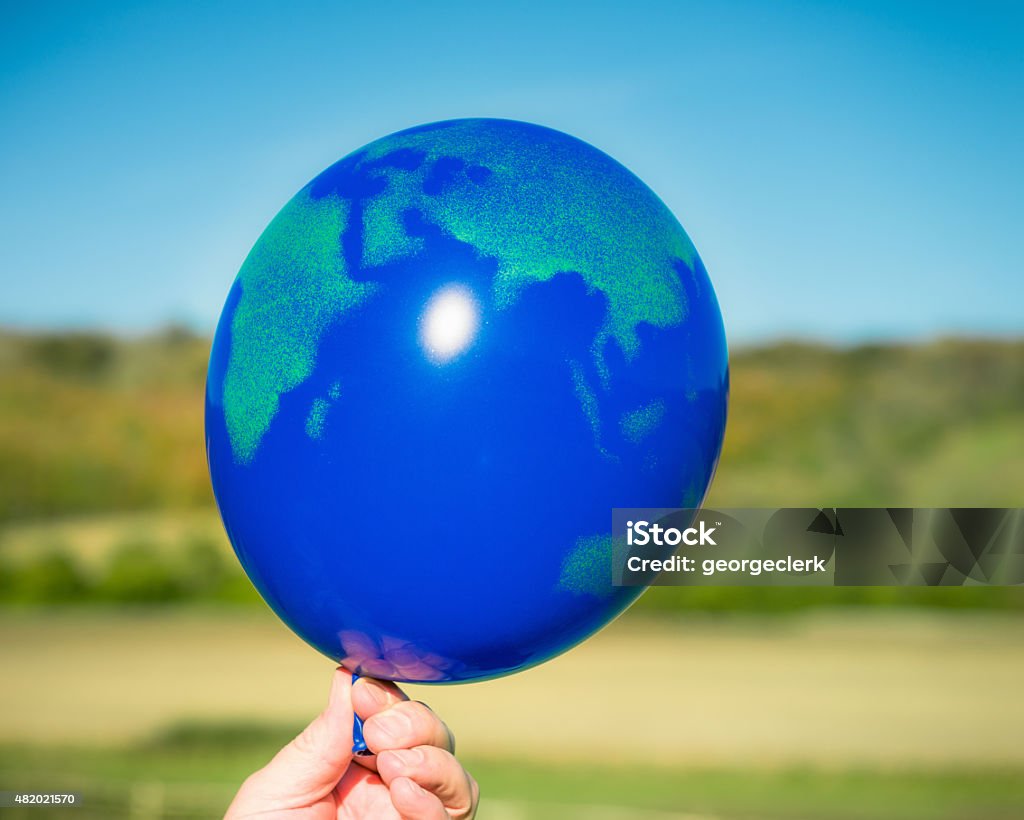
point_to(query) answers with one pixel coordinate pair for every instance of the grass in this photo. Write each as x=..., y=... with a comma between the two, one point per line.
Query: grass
x=193, y=771
x=854, y=689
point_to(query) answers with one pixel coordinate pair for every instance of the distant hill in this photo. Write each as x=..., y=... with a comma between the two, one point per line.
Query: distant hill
x=937, y=424
x=90, y=422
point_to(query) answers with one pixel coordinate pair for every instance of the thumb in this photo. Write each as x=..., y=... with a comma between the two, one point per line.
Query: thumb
x=306, y=770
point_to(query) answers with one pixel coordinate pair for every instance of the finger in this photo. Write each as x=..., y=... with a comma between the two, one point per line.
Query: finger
x=435, y=770
x=414, y=802
x=405, y=725
x=359, y=794
x=370, y=696
x=307, y=769
x=322, y=751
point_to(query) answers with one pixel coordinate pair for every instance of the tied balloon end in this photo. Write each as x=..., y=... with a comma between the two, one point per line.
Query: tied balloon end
x=359, y=747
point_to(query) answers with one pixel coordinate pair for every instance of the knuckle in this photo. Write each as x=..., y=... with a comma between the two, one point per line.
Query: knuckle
x=442, y=763
x=420, y=708
x=421, y=717
x=433, y=724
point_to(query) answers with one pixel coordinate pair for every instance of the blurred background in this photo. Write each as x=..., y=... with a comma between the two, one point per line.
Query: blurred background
x=851, y=175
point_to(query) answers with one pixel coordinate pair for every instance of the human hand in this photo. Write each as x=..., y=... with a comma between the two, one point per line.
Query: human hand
x=413, y=775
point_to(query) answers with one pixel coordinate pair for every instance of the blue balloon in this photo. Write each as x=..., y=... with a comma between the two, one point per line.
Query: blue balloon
x=441, y=366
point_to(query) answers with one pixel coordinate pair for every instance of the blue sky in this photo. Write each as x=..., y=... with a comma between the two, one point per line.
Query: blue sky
x=847, y=170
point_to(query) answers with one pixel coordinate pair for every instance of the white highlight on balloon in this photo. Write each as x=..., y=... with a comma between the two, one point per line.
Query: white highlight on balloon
x=449, y=323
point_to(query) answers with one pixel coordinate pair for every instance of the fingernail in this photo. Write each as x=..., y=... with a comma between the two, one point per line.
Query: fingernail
x=409, y=758
x=393, y=723
x=375, y=691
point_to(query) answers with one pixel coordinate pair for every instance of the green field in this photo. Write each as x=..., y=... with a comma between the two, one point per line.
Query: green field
x=196, y=776
x=162, y=713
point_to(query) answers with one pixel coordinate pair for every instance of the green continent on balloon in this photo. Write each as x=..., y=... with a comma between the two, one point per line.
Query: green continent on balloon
x=638, y=424
x=539, y=210
x=317, y=418
x=587, y=568
x=294, y=283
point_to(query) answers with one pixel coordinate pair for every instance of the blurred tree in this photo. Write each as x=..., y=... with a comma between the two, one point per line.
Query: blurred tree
x=202, y=570
x=138, y=573
x=52, y=577
x=87, y=355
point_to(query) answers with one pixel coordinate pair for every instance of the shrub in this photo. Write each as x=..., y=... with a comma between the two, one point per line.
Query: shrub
x=51, y=577
x=137, y=572
x=201, y=568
